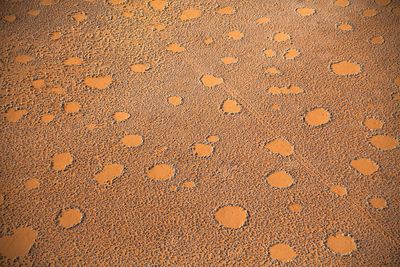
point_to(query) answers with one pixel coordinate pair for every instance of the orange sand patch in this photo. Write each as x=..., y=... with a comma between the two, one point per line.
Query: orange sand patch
x=101, y=82
x=365, y=166
x=132, y=140
x=228, y=10
x=23, y=59
x=14, y=115
x=175, y=48
x=19, y=243
x=190, y=14
x=280, y=179
x=109, y=173
x=231, y=216
x=281, y=37
x=62, y=160
x=161, y=172
x=211, y=80
x=32, y=184
x=69, y=218
x=140, y=68
x=341, y=244
x=280, y=146
x=291, y=90
x=339, y=190
x=158, y=5
x=317, y=117
x=175, y=100
x=282, y=252
x=378, y=203
x=73, y=61
x=346, y=68
x=202, y=150
x=231, y=106
x=373, y=124
x=121, y=116
x=384, y=142
x=305, y=11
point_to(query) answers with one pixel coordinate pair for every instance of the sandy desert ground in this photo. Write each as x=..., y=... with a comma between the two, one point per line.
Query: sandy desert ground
x=200, y=133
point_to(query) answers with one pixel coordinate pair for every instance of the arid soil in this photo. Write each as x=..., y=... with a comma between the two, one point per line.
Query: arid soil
x=200, y=133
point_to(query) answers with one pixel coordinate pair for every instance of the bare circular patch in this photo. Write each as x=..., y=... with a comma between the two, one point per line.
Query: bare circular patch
x=280, y=179
x=109, y=173
x=79, y=16
x=228, y=10
x=263, y=20
x=384, y=142
x=73, y=61
x=32, y=183
x=100, y=82
x=72, y=107
x=231, y=216
x=175, y=100
x=140, y=68
x=365, y=166
x=229, y=60
x=345, y=68
x=339, y=190
x=61, y=161
x=305, y=11
x=208, y=40
x=188, y=184
x=341, y=244
x=190, y=14
x=23, y=59
x=383, y=2
x=317, y=117
x=213, y=138
x=378, y=203
x=47, y=118
x=203, y=150
x=175, y=48
x=292, y=53
x=295, y=207
x=121, y=116
x=281, y=37
x=70, y=217
x=371, y=12
x=377, y=40
x=132, y=140
x=345, y=26
x=210, y=80
x=158, y=5
x=231, y=106
x=272, y=71
x=10, y=18
x=235, y=35
x=269, y=53
x=280, y=146
x=373, y=124
x=161, y=172
x=282, y=252
x=19, y=243
x=342, y=3
x=14, y=115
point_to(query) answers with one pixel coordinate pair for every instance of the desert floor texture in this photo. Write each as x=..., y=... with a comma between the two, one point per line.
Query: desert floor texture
x=200, y=133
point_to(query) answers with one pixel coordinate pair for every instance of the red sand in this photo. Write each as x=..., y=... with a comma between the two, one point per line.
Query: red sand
x=200, y=133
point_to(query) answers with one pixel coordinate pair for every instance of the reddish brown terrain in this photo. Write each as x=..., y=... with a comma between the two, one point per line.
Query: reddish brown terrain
x=200, y=133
